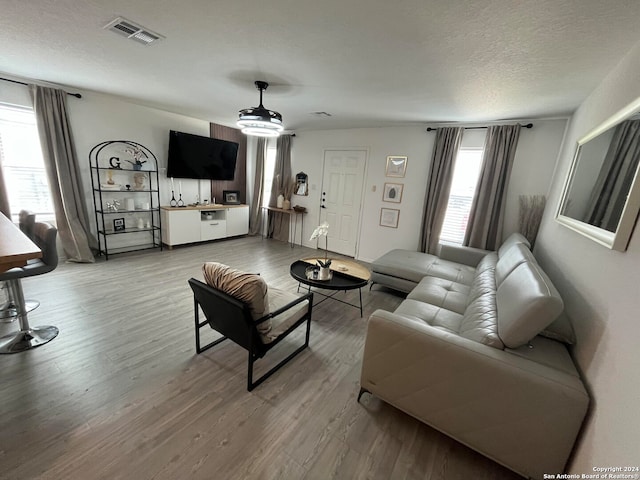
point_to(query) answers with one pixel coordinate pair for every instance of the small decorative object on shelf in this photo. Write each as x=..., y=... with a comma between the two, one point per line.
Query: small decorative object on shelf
x=138, y=181
x=110, y=172
x=118, y=224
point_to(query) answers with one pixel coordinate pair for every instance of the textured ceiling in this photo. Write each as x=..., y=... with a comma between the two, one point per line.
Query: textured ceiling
x=367, y=62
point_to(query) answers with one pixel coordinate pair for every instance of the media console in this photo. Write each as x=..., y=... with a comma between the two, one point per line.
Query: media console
x=201, y=223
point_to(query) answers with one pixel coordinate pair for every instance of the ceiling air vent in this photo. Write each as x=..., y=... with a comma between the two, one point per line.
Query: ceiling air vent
x=133, y=31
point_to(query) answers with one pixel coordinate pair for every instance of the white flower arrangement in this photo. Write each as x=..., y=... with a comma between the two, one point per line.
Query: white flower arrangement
x=322, y=230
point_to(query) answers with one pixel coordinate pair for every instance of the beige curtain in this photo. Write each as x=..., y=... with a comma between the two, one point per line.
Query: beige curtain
x=484, y=229
x=255, y=220
x=436, y=199
x=279, y=222
x=63, y=172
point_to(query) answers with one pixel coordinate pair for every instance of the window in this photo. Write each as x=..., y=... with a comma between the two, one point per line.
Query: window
x=22, y=164
x=269, y=168
x=463, y=187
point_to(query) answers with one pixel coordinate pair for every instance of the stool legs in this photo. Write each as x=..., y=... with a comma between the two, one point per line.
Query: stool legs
x=28, y=337
x=9, y=309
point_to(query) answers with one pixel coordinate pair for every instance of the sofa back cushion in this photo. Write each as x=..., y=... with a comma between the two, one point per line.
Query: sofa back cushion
x=526, y=302
x=515, y=255
x=245, y=287
x=511, y=240
x=479, y=322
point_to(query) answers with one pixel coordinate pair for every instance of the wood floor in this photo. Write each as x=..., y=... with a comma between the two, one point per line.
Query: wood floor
x=121, y=394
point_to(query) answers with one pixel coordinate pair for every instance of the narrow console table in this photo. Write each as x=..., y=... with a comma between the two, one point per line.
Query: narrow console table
x=293, y=218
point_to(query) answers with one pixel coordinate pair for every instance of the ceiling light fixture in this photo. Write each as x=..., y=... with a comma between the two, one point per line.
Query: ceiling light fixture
x=259, y=121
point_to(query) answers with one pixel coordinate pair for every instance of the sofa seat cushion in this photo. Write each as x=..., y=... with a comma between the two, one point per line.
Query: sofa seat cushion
x=280, y=323
x=547, y=352
x=451, y=271
x=245, y=287
x=404, y=264
x=441, y=293
x=430, y=314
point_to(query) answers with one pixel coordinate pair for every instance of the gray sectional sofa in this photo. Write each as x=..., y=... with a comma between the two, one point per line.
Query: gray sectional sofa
x=476, y=352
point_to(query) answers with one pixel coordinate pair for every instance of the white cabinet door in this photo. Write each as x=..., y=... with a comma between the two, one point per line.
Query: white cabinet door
x=237, y=220
x=180, y=226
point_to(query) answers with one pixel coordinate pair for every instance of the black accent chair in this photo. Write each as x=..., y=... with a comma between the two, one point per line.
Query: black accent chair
x=30, y=337
x=232, y=318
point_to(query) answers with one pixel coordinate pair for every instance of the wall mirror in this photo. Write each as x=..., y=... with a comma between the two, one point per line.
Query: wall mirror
x=302, y=187
x=601, y=197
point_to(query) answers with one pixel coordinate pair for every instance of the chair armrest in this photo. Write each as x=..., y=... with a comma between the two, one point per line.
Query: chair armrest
x=306, y=296
x=488, y=399
x=465, y=255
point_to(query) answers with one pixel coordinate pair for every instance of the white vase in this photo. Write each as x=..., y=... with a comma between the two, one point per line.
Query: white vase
x=324, y=273
x=280, y=201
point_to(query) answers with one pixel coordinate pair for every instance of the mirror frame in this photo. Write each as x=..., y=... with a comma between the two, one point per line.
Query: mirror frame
x=620, y=239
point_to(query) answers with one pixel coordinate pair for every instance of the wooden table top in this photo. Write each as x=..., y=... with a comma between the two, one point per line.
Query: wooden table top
x=349, y=267
x=15, y=246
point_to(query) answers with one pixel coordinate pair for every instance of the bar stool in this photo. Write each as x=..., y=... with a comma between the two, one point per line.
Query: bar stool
x=30, y=337
x=9, y=310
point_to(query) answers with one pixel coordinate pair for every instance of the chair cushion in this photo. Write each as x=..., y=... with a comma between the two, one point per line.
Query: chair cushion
x=245, y=287
x=280, y=323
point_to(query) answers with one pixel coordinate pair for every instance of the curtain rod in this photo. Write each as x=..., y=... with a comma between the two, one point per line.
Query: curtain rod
x=77, y=95
x=528, y=125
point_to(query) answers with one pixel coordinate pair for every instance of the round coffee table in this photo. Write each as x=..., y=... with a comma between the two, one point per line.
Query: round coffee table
x=346, y=275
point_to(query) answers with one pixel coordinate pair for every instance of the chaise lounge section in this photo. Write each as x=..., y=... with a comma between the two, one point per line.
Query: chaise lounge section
x=474, y=352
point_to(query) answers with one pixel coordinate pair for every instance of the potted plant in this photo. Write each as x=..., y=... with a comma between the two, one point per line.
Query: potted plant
x=137, y=154
x=325, y=270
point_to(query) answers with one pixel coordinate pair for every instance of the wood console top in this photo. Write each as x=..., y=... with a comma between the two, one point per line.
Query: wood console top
x=210, y=207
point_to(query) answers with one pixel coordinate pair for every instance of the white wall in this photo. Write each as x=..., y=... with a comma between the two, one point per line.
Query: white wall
x=601, y=290
x=95, y=118
x=307, y=155
x=532, y=172
x=533, y=166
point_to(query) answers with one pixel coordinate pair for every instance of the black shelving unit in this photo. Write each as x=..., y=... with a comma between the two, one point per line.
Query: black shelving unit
x=113, y=161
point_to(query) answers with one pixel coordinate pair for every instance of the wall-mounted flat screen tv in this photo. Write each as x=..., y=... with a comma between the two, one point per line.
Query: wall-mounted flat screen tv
x=194, y=156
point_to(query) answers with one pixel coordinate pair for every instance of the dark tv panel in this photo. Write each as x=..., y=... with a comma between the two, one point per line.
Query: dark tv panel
x=198, y=157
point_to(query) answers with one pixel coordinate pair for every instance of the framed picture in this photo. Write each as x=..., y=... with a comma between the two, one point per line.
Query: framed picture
x=118, y=224
x=396, y=166
x=389, y=217
x=231, y=197
x=392, y=192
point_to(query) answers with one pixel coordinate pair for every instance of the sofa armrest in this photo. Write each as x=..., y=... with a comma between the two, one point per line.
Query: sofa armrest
x=522, y=414
x=465, y=255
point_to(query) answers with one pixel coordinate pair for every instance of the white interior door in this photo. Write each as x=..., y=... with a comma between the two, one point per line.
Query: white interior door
x=340, y=201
